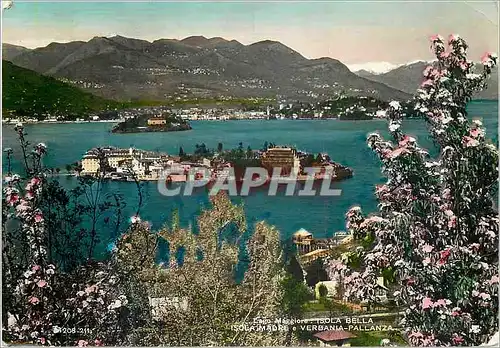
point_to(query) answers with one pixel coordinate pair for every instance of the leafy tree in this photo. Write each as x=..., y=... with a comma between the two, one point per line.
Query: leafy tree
x=250, y=154
x=437, y=227
x=315, y=272
x=205, y=279
x=182, y=154
x=50, y=277
x=294, y=269
x=322, y=290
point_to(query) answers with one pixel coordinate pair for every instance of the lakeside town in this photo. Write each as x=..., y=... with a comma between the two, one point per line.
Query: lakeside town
x=135, y=164
x=342, y=108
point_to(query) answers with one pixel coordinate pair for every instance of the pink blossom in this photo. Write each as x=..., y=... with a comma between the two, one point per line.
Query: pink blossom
x=455, y=314
x=91, y=289
x=41, y=283
x=441, y=303
x=373, y=219
x=457, y=339
x=444, y=54
x=470, y=142
x=35, y=268
x=464, y=66
x=453, y=38
x=445, y=254
x=452, y=223
x=426, y=303
x=38, y=217
x=33, y=300
x=427, y=82
x=428, y=70
x=405, y=140
x=386, y=153
x=484, y=296
x=426, y=261
x=35, y=181
x=12, y=198
x=353, y=211
x=449, y=213
x=400, y=151
x=446, y=193
x=436, y=37
x=494, y=280
x=98, y=343
x=475, y=246
x=42, y=340
x=477, y=132
x=485, y=57
x=427, y=248
x=82, y=343
x=381, y=188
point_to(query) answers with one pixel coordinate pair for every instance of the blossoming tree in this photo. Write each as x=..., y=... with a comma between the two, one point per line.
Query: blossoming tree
x=45, y=301
x=436, y=233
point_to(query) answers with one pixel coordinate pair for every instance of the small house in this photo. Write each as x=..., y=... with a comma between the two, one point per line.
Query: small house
x=303, y=240
x=160, y=306
x=381, y=290
x=156, y=121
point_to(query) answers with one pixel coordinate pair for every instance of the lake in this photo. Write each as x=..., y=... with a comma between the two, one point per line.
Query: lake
x=344, y=141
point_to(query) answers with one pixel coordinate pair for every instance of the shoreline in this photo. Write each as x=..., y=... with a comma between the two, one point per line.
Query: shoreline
x=5, y=122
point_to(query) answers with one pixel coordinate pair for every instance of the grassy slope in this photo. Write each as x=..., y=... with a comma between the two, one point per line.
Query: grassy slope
x=27, y=93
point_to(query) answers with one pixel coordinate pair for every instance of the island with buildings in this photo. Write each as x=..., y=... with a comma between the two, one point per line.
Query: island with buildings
x=148, y=122
x=134, y=164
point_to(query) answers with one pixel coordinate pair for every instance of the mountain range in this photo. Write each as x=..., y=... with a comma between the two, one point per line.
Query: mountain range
x=129, y=69
x=407, y=78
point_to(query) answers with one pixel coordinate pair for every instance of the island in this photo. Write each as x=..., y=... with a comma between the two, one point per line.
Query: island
x=135, y=164
x=152, y=123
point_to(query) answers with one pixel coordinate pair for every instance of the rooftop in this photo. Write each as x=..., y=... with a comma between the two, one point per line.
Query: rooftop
x=302, y=233
x=315, y=252
x=333, y=335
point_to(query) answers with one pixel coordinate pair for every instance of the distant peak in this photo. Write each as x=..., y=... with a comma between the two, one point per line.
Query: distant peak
x=266, y=42
x=193, y=37
x=373, y=67
x=202, y=41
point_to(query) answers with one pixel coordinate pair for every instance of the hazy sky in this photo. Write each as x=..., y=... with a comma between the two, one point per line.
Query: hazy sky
x=354, y=32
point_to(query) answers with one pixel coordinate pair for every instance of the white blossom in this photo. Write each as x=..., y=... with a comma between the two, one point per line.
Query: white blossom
x=395, y=105
x=394, y=126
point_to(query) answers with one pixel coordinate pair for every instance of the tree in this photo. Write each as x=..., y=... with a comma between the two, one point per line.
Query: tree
x=220, y=147
x=50, y=278
x=294, y=269
x=182, y=154
x=315, y=272
x=249, y=152
x=205, y=280
x=322, y=290
x=437, y=229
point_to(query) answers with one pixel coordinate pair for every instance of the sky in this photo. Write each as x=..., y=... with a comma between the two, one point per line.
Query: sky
x=358, y=33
